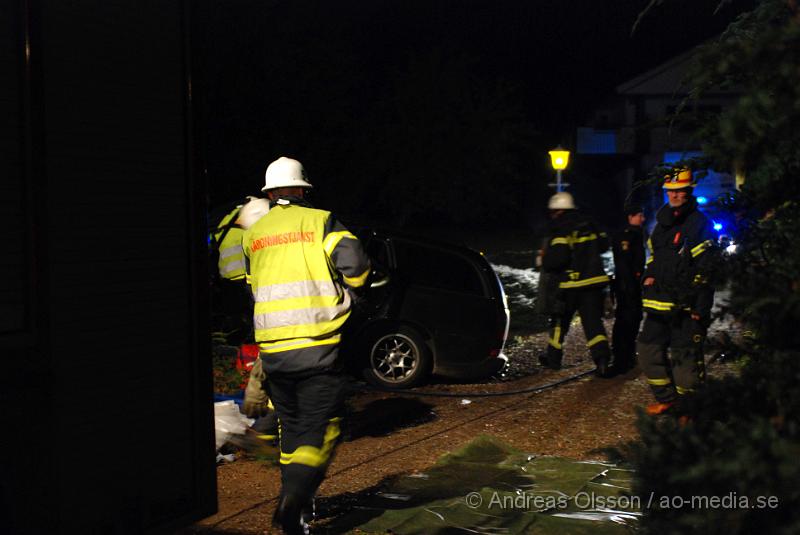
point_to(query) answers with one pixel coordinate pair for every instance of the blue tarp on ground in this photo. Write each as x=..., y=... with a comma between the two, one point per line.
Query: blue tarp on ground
x=237, y=398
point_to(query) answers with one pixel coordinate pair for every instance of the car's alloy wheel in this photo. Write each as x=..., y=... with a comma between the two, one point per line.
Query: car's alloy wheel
x=398, y=359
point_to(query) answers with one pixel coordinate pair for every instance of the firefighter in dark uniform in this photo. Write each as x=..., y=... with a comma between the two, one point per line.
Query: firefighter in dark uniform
x=304, y=268
x=629, y=257
x=677, y=295
x=572, y=255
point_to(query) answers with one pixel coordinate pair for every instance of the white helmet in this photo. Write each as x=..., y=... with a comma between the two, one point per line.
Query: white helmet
x=252, y=211
x=561, y=201
x=285, y=173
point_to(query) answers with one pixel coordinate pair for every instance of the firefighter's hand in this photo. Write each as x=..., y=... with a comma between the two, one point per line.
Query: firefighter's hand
x=255, y=409
x=703, y=321
x=256, y=401
x=649, y=281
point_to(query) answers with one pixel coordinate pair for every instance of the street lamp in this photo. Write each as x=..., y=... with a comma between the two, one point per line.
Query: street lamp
x=559, y=158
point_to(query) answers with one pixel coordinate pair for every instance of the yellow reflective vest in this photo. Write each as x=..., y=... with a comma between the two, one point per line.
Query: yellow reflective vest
x=231, y=255
x=299, y=261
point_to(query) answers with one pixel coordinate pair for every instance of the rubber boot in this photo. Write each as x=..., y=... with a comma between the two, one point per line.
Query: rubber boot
x=287, y=516
x=551, y=359
x=656, y=409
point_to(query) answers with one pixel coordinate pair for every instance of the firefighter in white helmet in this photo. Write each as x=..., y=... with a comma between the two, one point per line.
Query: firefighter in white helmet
x=572, y=256
x=303, y=268
x=230, y=299
x=252, y=211
x=227, y=239
x=256, y=403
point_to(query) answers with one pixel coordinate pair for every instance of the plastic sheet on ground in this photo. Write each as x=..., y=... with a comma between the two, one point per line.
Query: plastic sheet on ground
x=488, y=487
x=228, y=420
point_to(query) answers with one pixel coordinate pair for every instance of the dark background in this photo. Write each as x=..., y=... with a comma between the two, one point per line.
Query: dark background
x=418, y=113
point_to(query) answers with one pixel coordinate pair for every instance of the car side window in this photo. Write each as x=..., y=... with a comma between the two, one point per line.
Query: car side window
x=378, y=252
x=428, y=266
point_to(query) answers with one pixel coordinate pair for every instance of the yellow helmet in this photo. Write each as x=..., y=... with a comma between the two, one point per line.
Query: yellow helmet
x=679, y=179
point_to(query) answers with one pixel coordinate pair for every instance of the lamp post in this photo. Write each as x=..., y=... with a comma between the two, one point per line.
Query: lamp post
x=559, y=158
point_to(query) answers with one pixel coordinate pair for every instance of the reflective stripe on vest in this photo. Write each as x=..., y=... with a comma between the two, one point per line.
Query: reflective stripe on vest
x=234, y=250
x=234, y=269
x=301, y=312
x=291, y=290
x=231, y=255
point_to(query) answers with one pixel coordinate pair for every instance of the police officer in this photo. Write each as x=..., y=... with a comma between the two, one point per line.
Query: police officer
x=677, y=294
x=303, y=266
x=629, y=257
x=572, y=255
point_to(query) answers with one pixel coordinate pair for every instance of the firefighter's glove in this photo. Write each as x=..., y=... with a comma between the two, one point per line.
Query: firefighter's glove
x=256, y=401
x=703, y=320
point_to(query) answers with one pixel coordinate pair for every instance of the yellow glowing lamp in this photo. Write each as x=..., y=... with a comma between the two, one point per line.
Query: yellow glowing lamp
x=559, y=158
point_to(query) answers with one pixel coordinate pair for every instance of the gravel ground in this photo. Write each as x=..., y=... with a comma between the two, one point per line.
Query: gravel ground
x=393, y=434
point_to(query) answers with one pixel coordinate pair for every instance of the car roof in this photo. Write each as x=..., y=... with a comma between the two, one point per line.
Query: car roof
x=364, y=231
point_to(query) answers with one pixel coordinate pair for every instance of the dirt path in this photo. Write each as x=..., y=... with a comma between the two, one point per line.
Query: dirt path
x=392, y=434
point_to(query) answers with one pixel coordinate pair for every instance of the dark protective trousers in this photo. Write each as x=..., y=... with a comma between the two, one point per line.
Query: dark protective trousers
x=588, y=303
x=627, y=318
x=683, y=369
x=309, y=406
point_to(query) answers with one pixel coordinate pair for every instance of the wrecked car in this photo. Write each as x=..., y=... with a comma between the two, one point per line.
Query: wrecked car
x=432, y=308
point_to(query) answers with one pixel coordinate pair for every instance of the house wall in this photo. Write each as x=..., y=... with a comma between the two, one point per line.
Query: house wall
x=110, y=384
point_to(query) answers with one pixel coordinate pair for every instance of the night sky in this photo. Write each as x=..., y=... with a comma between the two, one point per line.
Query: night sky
x=427, y=103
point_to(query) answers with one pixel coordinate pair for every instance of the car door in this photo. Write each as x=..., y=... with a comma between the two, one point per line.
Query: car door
x=445, y=293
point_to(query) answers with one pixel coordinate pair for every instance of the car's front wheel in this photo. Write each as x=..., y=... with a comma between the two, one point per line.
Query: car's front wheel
x=399, y=358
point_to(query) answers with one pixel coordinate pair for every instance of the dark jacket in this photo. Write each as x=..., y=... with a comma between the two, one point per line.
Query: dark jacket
x=629, y=258
x=573, y=252
x=682, y=250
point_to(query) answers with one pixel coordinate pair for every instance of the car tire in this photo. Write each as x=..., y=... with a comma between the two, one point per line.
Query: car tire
x=398, y=358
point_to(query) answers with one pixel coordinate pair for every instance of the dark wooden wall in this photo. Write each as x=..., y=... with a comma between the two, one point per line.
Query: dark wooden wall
x=105, y=372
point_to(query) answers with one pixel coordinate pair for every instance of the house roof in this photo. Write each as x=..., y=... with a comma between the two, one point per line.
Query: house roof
x=663, y=80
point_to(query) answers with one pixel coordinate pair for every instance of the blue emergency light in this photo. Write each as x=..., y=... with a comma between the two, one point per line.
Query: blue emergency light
x=702, y=200
x=717, y=226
